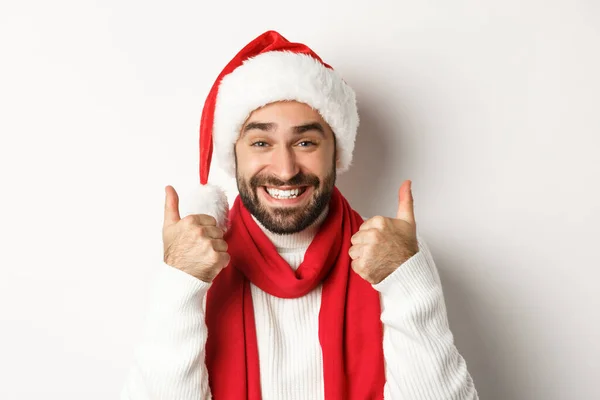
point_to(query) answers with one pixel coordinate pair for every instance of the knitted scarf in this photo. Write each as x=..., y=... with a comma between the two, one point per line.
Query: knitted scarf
x=350, y=329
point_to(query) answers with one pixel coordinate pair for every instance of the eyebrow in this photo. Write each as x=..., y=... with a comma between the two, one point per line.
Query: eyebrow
x=313, y=126
x=261, y=126
x=269, y=126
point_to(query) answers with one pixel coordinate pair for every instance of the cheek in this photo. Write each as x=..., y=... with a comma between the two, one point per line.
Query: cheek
x=320, y=163
x=249, y=164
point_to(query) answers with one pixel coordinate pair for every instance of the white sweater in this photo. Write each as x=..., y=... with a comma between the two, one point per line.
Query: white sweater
x=421, y=360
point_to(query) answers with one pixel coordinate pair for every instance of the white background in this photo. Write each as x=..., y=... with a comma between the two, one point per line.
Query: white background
x=490, y=107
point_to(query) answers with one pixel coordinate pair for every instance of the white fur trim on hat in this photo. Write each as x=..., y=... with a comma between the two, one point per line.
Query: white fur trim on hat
x=277, y=76
x=206, y=199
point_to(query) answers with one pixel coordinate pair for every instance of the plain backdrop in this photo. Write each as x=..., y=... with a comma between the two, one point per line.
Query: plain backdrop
x=491, y=108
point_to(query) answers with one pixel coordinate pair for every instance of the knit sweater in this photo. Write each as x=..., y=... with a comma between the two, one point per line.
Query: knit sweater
x=421, y=360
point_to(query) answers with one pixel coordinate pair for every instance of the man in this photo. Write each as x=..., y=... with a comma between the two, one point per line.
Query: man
x=291, y=294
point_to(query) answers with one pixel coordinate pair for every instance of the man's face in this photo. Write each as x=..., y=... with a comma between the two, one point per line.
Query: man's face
x=285, y=165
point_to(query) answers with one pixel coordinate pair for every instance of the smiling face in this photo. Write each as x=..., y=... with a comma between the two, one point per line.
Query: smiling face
x=285, y=165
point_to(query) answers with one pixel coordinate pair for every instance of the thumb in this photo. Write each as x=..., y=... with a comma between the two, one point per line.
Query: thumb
x=171, y=206
x=406, y=210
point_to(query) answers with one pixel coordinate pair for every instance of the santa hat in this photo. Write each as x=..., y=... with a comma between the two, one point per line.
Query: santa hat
x=268, y=69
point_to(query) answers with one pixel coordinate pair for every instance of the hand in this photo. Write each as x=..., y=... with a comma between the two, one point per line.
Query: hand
x=382, y=244
x=193, y=244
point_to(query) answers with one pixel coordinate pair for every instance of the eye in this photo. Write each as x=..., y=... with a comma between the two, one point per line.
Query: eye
x=259, y=143
x=306, y=143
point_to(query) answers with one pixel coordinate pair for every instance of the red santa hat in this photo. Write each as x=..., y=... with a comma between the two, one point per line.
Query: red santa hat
x=268, y=69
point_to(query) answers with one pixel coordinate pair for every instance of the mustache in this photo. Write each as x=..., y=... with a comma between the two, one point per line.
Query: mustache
x=299, y=179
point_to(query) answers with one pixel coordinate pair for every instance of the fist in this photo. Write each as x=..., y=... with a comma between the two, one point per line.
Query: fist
x=382, y=244
x=193, y=244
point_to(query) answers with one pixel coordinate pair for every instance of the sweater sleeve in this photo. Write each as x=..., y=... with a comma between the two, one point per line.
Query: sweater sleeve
x=421, y=359
x=168, y=361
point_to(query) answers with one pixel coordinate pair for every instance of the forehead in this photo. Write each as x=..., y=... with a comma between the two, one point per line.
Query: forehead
x=286, y=112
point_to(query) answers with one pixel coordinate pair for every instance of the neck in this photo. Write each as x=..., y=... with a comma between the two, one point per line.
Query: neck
x=294, y=241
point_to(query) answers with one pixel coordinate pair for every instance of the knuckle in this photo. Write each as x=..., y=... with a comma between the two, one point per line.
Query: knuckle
x=378, y=235
x=373, y=234
x=188, y=220
x=219, y=245
x=378, y=220
x=216, y=233
x=212, y=257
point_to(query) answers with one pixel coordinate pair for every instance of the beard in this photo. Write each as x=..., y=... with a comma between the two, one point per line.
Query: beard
x=287, y=220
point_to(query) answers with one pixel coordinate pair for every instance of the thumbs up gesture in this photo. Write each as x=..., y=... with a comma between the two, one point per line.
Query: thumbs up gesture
x=193, y=244
x=382, y=244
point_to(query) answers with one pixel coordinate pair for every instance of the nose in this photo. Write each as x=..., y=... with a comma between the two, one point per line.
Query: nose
x=283, y=163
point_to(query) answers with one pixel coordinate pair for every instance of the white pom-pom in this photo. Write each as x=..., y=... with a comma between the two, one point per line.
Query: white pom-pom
x=206, y=199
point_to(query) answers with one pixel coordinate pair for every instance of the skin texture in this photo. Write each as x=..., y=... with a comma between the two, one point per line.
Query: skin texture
x=287, y=145
x=193, y=244
x=382, y=244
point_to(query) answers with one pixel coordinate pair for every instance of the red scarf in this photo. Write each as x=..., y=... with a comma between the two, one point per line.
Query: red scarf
x=350, y=329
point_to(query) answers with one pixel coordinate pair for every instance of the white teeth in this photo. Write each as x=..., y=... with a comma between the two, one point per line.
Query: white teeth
x=283, y=194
